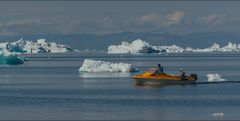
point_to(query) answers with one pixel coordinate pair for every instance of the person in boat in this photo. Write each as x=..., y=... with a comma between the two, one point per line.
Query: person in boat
x=182, y=74
x=159, y=70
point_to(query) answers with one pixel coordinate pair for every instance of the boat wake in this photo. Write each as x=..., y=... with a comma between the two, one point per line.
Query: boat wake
x=215, y=78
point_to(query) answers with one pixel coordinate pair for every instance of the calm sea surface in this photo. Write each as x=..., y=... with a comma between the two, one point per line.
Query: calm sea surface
x=50, y=87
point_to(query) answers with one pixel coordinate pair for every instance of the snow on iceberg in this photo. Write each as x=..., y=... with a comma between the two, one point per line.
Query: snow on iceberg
x=11, y=58
x=41, y=46
x=103, y=66
x=140, y=46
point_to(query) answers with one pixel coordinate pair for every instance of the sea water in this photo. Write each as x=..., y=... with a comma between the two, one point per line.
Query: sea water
x=50, y=87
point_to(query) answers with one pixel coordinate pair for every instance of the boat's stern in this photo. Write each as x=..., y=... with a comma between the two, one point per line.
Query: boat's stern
x=194, y=76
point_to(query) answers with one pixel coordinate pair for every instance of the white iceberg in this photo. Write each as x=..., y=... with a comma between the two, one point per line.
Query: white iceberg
x=137, y=46
x=41, y=46
x=230, y=48
x=215, y=78
x=140, y=46
x=103, y=66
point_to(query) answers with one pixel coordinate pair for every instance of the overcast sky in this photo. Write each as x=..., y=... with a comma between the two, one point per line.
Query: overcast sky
x=18, y=18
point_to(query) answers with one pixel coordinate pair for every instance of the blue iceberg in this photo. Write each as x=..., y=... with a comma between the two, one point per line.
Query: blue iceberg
x=11, y=58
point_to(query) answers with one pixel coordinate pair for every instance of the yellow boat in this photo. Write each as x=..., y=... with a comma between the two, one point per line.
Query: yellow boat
x=163, y=78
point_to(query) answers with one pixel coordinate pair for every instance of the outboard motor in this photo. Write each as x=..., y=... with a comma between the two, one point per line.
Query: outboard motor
x=194, y=76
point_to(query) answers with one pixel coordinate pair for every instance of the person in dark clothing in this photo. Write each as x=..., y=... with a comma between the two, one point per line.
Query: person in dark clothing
x=182, y=75
x=159, y=70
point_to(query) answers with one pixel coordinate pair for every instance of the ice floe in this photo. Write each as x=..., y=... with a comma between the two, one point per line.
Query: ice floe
x=103, y=66
x=140, y=46
x=41, y=46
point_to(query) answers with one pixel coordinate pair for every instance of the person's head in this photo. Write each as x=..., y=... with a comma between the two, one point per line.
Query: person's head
x=159, y=65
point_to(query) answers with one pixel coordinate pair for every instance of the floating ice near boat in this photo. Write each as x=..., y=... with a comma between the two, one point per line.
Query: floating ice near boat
x=103, y=66
x=140, y=46
x=215, y=78
x=41, y=46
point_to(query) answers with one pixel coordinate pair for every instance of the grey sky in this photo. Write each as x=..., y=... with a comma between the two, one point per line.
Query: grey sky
x=62, y=17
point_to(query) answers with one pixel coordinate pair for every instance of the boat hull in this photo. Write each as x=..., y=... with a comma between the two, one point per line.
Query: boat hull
x=162, y=81
x=149, y=78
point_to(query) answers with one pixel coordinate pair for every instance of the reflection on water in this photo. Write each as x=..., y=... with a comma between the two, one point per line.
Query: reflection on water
x=147, y=85
x=217, y=82
x=104, y=75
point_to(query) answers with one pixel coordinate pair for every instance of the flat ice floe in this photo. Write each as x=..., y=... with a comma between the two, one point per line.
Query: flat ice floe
x=103, y=66
x=41, y=46
x=140, y=46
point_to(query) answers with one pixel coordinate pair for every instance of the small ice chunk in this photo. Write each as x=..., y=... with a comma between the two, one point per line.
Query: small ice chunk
x=215, y=78
x=103, y=66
